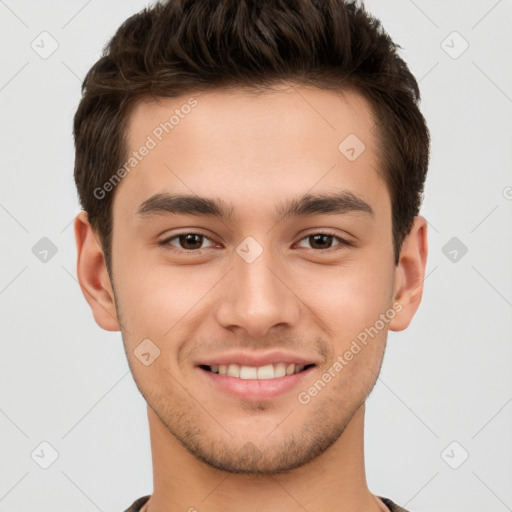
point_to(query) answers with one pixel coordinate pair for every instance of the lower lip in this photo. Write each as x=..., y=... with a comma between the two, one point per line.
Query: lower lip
x=256, y=389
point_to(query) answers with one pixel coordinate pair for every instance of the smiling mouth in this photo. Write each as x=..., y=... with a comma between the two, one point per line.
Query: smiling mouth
x=267, y=372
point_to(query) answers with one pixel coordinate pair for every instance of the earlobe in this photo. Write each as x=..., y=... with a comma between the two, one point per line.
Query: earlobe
x=410, y=274
x=93, y=276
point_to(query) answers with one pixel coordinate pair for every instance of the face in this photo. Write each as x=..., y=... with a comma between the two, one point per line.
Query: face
x=277, y=270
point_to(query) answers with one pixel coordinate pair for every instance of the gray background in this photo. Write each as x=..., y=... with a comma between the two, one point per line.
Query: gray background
x=445, y=391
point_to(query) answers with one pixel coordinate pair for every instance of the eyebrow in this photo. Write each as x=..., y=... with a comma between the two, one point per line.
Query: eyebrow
x=304, y=206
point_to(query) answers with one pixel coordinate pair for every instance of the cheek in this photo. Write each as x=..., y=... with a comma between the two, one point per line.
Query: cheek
x=158, y=301
x=348, y=298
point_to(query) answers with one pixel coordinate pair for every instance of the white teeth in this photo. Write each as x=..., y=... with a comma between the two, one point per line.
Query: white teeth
x=233, y=370
x=269, y=371
x=248, y=372
x=280, y=369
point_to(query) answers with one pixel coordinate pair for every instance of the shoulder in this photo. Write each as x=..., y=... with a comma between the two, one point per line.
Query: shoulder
x=393, y=507
x=137, y=504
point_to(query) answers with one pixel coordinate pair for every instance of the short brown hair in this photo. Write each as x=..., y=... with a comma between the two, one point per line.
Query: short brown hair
x=180, y=46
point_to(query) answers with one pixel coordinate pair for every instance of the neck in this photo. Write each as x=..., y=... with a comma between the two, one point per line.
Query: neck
x=335, y=481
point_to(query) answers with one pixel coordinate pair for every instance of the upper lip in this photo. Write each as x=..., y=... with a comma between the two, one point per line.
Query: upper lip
x=256, y=359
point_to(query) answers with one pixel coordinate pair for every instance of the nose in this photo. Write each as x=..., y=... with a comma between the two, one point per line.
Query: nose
x=257, y=297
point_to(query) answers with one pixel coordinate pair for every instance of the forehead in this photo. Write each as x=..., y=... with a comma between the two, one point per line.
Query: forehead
x=251, y=148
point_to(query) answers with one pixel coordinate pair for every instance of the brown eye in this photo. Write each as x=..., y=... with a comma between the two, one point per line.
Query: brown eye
x=324, y=241
x=185, y=242
x=190, y=241
x=321, y=241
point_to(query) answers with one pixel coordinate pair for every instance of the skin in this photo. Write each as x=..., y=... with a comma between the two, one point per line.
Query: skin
x=216, y=452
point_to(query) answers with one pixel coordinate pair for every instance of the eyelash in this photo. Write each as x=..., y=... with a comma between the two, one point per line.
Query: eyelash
x=166, y=243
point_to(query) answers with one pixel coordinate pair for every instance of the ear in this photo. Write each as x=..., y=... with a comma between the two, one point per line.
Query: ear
x=93, y=276
x=410, y=274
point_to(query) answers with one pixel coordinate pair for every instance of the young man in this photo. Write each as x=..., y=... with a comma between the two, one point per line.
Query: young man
x=251, y=175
